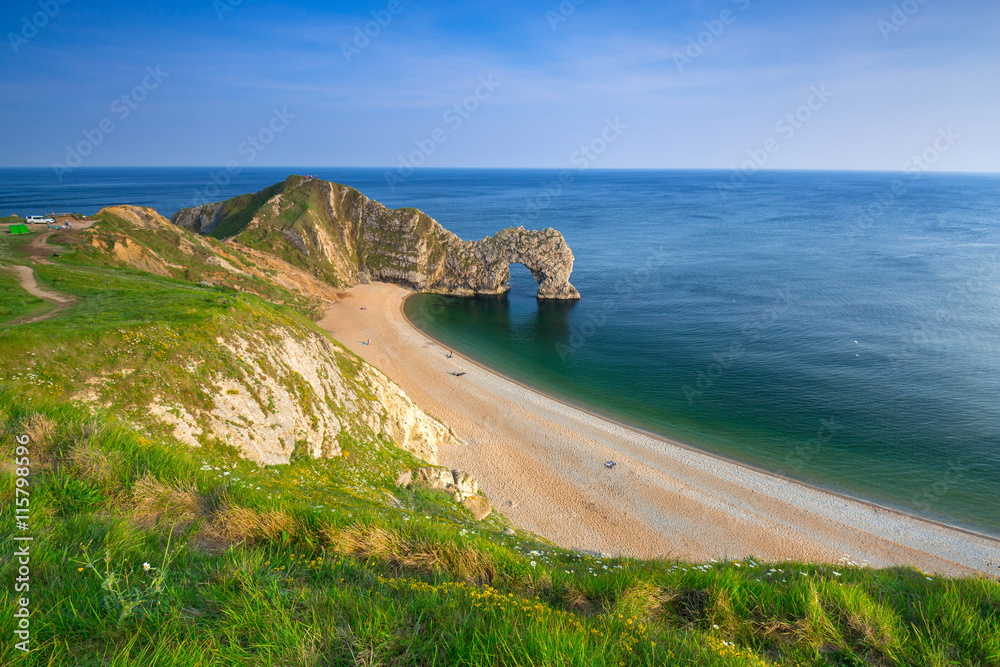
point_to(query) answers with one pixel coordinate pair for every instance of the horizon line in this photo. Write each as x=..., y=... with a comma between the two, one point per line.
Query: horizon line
x=569, y=169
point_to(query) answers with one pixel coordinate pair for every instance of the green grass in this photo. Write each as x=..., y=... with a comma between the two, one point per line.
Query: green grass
x=303, y=564
x=12, y=248
x=239, y=211
x=140, y=336
x=14, y=301
x=327, y=562
x=301, y=199
x=192, y=265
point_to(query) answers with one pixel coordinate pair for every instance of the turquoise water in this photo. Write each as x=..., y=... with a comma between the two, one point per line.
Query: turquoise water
x=784, y=327
x=840, y=328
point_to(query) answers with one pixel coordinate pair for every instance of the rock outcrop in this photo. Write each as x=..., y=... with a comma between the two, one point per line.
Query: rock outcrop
x=462, y=486
x=201, y=220
x=285, y=393
x=345, y=238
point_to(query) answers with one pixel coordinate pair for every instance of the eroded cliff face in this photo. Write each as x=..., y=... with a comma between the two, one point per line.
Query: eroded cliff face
x=287, y=393
x=346, y=238
x=200, y=220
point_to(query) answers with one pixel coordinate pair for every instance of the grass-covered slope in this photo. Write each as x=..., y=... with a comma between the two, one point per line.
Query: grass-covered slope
x=140, y=238
x=326, y=561
x=314, y=563
x=294, y=220
x=202, y=364
x=14, y=301
x=330, y=230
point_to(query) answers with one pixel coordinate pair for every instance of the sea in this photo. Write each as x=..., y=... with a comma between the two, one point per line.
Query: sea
x=838, y=328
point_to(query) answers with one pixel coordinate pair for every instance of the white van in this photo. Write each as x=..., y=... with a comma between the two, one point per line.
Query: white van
x=40, y=219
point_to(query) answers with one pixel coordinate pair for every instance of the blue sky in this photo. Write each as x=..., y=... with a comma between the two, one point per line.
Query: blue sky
x=893, y=77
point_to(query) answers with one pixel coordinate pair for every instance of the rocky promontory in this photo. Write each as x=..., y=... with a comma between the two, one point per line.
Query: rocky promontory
x=345, y=238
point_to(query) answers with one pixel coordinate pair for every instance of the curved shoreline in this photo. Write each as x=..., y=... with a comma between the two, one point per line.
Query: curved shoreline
x=540, y=460
x=692, y=448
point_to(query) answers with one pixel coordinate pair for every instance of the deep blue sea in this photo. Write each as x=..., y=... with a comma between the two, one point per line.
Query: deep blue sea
x=840, y=328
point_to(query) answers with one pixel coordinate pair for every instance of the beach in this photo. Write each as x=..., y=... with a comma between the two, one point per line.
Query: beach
x=540, y=461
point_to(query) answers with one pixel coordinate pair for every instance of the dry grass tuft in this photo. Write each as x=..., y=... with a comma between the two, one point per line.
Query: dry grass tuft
x=243, y=524
x=40, y=430
x=689, y=605
x=90, y=463
x=38, y=427
x=365, y=541
x=222, y=524
x=385, y=544
x=577, y=600
x=642, y=598
x=777, y=631
x=156, y=503
x=867, y=631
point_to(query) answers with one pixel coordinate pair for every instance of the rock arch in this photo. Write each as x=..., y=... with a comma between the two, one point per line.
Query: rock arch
x=483, y=267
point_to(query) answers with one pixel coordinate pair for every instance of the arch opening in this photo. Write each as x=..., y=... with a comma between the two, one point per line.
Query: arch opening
x=520, y=281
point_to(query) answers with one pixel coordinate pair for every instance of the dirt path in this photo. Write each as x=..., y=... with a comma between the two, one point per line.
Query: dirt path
x=26, y=276
x=38, y=252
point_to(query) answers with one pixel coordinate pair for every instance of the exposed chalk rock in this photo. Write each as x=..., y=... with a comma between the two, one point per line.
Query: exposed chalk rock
x=462, y=486
x=289, y=391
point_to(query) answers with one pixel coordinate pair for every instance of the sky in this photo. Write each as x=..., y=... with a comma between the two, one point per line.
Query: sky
x=866, y=85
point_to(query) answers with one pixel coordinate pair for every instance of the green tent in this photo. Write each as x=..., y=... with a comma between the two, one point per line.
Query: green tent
x=19, y=229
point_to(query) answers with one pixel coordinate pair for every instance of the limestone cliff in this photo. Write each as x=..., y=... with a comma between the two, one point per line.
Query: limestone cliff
x=284, y=391
x=345, y=238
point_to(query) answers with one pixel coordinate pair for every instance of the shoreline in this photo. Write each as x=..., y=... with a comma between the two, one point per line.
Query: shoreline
x=540, y=460
x=692, y=448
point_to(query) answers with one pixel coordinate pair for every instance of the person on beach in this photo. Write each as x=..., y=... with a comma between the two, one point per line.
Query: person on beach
x=367, y=342
x=449, y=354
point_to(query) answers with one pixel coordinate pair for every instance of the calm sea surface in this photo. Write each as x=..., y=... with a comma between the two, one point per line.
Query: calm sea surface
x=840, y=328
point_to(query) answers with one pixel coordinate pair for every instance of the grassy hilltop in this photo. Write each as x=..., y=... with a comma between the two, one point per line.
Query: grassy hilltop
x=315, y=225
x=323, y=559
